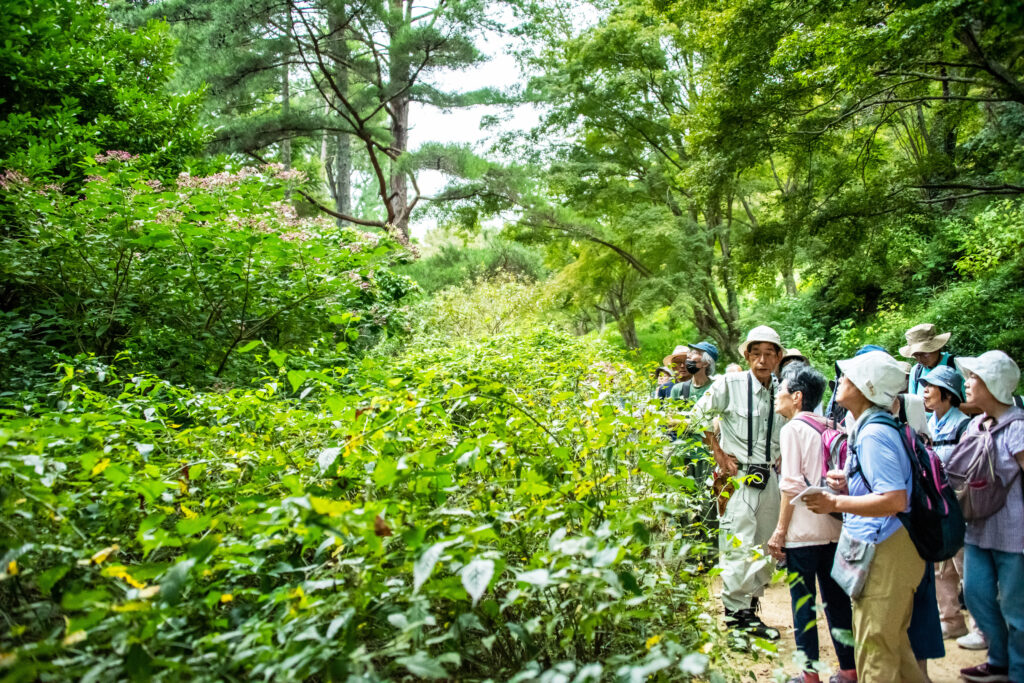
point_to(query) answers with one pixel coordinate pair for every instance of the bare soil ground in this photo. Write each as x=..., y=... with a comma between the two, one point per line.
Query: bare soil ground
x=776, y=612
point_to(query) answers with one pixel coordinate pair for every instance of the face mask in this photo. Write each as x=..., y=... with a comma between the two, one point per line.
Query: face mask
x=692, y=367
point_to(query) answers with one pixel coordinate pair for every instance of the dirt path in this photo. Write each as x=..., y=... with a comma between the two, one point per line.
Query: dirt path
x=776, y=612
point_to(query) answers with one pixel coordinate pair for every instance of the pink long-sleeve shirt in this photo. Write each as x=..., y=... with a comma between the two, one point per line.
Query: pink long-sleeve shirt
x=801, y=463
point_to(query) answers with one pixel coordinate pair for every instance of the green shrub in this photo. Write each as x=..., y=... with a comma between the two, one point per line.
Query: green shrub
x=183, y=274
x=491, y=510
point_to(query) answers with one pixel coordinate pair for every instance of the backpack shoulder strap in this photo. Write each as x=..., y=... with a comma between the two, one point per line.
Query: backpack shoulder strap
x=684, y=390
x=961, y=428
x=1018, y=401
x=818, y=427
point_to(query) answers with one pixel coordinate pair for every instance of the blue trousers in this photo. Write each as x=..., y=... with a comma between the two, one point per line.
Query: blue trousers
x=809, y=563
x=994, y=590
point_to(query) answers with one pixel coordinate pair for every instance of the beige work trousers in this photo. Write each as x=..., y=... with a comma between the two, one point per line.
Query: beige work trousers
x=744, y=529
x=881, y=614
x=948, y=576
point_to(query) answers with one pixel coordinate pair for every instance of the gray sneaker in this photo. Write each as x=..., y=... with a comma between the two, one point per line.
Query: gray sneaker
x=972, y=641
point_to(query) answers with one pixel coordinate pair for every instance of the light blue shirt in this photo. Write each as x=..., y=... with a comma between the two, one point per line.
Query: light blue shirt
x=917, y=387
x=885, y=465
x=945, y=430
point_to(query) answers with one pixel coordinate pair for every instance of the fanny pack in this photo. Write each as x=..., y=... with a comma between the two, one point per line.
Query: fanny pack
x=852, y=564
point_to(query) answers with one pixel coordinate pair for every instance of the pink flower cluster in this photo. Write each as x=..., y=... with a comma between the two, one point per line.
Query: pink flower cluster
x=114, y=155
x=10, y=179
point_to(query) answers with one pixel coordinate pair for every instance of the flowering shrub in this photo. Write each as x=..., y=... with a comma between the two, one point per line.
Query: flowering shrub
x=495, y=510
x=183, y=274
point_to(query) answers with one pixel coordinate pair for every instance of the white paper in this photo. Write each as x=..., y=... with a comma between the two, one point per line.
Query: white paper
x=809, y=491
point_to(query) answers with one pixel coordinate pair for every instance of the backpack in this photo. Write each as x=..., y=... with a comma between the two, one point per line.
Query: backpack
x=971, y=470
x=834, y=445
x=935, y=522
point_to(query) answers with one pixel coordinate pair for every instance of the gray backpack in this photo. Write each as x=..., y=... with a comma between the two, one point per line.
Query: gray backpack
x=971, y=472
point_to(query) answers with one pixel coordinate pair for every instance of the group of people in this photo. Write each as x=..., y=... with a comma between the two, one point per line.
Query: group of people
x=837, y=527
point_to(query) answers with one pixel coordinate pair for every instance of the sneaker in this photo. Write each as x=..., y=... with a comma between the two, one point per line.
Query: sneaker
x=839, y=677
x=972, y=641
x=985, y=673
x=950, y=633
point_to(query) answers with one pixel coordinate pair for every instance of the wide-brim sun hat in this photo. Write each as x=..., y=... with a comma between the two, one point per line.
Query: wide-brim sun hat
x=681, y=350
x=707, y=347
x=947, y=378
x=922, y=339
x=877, y=375
x=997, y=370
x=761, y=333
x=793, y=354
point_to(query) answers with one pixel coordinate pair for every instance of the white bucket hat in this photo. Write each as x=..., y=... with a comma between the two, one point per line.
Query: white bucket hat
x=879, y=376
x=761, y=333
x=997, y=370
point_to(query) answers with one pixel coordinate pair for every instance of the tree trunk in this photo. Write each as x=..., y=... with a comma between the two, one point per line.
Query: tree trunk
x=341, y=187
x=627, y=328
x=400, y=75
x=286, y=97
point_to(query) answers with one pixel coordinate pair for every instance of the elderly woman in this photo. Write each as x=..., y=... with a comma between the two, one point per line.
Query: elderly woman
x=943, y=393
x=806, y=541
x=881, y=566
x=994, y=554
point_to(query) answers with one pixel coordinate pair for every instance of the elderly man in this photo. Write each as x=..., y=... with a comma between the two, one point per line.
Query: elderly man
x=700, y=363
x=748, y=450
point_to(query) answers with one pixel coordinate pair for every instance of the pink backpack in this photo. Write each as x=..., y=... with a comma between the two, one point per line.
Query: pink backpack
x=833, y=445
x=971, y=472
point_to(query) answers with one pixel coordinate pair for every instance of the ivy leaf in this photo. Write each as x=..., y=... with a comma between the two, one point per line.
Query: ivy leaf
x=476, y=576
x=423, y=665
x=424, y=566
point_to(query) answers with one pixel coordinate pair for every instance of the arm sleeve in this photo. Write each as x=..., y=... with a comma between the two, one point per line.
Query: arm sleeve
x=883, y=460
x=799, y=450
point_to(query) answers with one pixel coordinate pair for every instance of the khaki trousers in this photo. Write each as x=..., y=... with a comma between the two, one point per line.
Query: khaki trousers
x=948, y=575
x=881, y=614
x=746, y=526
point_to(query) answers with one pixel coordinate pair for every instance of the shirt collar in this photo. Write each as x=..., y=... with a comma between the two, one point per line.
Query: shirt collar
x=861, y=420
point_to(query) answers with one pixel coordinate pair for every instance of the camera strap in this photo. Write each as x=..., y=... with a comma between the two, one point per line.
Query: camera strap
x=750, y=422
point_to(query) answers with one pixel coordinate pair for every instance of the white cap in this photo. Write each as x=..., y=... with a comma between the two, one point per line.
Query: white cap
x=761, y=333
x=997, y=370
x=879, y=376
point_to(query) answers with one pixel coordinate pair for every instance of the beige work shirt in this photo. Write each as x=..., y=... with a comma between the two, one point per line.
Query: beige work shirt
x=727, y=400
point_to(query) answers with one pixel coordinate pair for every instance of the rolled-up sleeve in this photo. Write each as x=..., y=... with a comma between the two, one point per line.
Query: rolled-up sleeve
x=801, y=457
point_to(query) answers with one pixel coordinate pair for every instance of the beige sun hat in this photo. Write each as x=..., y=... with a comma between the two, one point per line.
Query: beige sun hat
x=761, y=333
x=997, y=370
x=879, y=376
x=681, y=350
x=922, y=339
x=793, y=353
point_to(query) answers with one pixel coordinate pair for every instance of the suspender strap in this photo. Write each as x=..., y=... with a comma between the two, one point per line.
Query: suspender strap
x=750, y=422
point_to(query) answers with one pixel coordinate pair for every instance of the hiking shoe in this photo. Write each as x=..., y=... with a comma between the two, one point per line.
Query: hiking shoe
x=972, y=641
x=839, y=677
x=747, y=621
x=985, y=673
x=948, y=634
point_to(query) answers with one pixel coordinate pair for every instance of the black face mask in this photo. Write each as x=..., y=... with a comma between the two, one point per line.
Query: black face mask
x=692, y=367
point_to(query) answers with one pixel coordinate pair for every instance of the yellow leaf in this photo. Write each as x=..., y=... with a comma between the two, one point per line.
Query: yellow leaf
x=188, y=513
x=147, y=593
x=652, y=641
x=74, y=638
x=101, y=556
x=100, y=466
x=226, y=597
x=12, y=568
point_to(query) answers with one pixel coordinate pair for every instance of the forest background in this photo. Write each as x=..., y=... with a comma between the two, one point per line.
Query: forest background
x=256, y=425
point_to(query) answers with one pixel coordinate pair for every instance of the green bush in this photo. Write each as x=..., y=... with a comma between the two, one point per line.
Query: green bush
x=183, y=275
x=489, y=510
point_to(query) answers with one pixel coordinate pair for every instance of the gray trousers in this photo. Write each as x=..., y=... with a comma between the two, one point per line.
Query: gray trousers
x=745, y=528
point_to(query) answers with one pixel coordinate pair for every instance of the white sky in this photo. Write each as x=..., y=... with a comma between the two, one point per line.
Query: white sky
x=429, y=124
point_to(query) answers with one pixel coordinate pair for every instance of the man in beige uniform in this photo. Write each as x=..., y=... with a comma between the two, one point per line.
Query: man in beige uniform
x=747, y=449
